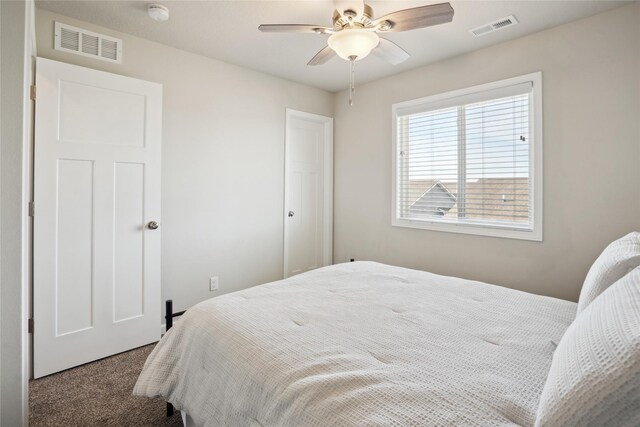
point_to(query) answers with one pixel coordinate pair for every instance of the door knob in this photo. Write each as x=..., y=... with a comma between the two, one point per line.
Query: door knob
x=290, y=214
x=152, y=225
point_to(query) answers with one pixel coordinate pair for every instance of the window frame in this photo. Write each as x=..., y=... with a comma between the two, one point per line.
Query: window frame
x=535, y=162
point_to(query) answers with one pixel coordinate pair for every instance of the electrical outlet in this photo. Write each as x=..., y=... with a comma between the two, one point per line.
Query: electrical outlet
x=213, y=283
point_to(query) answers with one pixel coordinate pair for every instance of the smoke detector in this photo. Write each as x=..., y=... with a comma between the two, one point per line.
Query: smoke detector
x=158, y=12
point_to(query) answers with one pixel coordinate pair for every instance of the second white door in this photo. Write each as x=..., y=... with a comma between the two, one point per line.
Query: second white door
x=308, y=196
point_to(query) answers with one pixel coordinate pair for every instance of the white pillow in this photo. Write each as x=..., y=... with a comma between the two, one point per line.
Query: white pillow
x=594, y=378
x=620, y=257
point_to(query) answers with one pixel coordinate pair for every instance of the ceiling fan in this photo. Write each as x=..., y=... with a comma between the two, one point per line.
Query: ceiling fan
x=355, y=33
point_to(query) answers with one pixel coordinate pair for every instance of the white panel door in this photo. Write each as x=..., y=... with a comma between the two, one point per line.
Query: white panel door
x=308, y=192
x=96, y=189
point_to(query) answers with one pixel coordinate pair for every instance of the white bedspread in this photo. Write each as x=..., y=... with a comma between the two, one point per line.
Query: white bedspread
x=360, y=344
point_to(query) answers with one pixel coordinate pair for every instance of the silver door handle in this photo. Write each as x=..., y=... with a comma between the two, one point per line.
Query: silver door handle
x=152, y=225
x=290, y=214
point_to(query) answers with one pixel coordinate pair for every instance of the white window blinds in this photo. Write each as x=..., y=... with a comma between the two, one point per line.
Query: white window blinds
x=466, y=160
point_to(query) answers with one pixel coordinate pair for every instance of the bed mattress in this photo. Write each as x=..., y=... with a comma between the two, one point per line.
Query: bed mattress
x=360, y=344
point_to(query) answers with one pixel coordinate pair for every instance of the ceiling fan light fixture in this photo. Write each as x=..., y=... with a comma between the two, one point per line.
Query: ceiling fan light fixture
x=353, y=42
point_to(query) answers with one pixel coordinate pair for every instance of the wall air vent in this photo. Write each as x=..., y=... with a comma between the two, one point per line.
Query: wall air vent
x=494, y=26
x=87, y=43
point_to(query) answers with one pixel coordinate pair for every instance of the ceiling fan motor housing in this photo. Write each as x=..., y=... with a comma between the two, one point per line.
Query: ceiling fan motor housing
x=350, y=18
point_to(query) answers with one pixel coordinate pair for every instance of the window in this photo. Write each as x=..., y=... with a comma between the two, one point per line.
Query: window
x=470, y=161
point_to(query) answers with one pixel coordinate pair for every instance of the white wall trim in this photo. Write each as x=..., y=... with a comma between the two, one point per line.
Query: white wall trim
x=328, y=186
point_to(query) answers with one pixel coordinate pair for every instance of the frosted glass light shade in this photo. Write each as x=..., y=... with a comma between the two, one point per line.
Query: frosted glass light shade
x=353, y=42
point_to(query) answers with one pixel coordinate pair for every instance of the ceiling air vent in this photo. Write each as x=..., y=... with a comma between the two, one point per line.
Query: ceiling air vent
x=87, y=43
x=494, y=26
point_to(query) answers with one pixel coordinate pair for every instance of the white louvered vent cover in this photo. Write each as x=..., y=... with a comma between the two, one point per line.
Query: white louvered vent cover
x=87, y=43
x=494, y=26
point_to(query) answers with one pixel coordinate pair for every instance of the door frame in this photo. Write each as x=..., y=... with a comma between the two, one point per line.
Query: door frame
x=17, y=70
x=327, y=122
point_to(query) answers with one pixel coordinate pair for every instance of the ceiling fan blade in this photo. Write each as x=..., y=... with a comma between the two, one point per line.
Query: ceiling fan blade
x=295, y=28
x=390, y=52
x=355, y=5
x=417, y=17
x=323, y=56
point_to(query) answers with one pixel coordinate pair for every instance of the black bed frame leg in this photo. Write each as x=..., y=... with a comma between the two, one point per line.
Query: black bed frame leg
x=169, y=323
x=168, y=307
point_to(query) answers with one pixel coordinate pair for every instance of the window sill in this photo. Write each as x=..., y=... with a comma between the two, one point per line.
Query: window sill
x=478, y=230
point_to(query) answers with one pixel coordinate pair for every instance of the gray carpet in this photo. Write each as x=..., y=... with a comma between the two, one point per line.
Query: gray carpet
x=97, y=394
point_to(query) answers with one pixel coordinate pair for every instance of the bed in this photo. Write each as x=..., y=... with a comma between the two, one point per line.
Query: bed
x=360, y=343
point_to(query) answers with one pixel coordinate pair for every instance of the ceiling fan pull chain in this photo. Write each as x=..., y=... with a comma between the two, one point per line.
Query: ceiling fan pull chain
x=352, y=79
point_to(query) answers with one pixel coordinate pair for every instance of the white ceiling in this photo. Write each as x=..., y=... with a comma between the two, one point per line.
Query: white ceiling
x=228, y=31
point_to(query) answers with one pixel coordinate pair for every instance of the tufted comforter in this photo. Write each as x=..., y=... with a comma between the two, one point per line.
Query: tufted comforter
x=360, y=344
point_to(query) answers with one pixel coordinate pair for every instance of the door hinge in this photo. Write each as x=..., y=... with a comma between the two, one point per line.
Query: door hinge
x=32, y=208
x=33, y=92
x=30, y=325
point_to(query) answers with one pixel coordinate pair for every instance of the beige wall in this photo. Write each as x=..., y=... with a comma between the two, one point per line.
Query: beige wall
x=222, y=161
x=591, y=95
x=222, y=174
